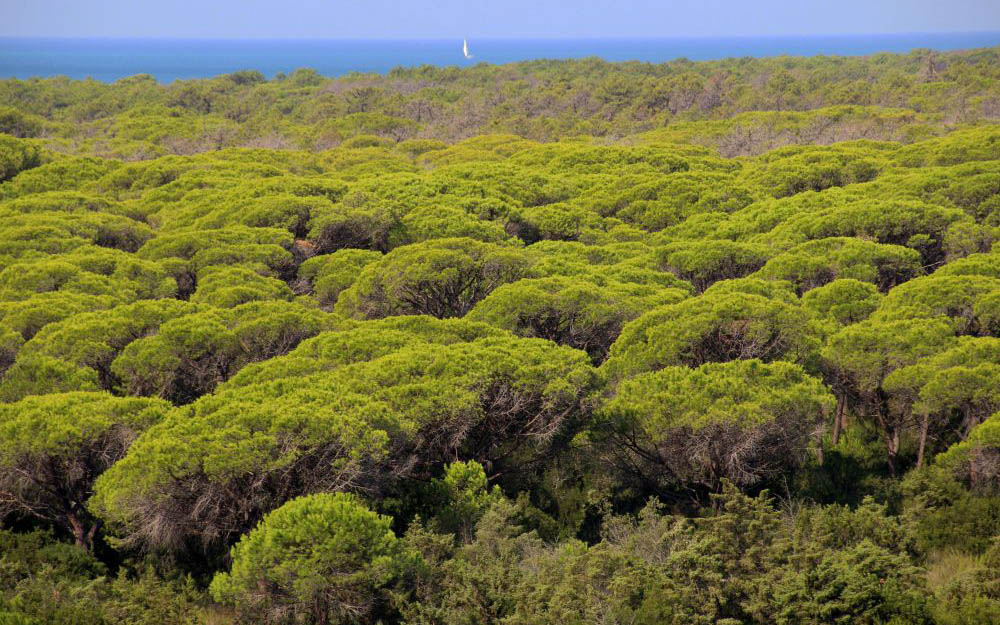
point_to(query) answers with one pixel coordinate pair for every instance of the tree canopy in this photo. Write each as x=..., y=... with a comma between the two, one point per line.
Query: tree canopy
x=554, y=341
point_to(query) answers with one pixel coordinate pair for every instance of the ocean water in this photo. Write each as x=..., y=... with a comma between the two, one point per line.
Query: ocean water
x=172, y=59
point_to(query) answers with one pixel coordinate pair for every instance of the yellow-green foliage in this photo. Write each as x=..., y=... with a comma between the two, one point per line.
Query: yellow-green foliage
x=321, y=554
x=446, y=345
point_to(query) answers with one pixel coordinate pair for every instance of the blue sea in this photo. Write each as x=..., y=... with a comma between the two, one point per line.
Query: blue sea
x=174, y=59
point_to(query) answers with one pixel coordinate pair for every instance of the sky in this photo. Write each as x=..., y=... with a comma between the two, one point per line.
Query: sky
x=429, y=19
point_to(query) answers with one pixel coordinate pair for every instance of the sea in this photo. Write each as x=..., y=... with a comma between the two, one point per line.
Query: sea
x=108, y=60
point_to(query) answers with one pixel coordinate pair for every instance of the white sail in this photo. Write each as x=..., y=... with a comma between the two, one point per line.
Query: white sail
x=465, y=48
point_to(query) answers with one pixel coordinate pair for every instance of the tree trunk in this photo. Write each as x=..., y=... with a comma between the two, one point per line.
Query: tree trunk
x=891, y=459
x=967, y=422
x=890, y=433
x=893, y=450
x=924, y=426
x=83, y=535
x=838, y=418
x=321, y=611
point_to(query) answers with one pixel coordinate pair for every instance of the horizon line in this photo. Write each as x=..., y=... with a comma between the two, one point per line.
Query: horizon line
x=494, y=38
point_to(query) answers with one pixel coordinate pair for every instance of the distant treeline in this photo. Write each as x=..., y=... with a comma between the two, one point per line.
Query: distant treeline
x=914, y=96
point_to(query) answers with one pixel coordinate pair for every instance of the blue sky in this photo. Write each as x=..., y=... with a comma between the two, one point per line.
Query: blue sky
x=416, y=19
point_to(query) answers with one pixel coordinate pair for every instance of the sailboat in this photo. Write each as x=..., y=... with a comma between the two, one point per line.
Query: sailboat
x=465, y=48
